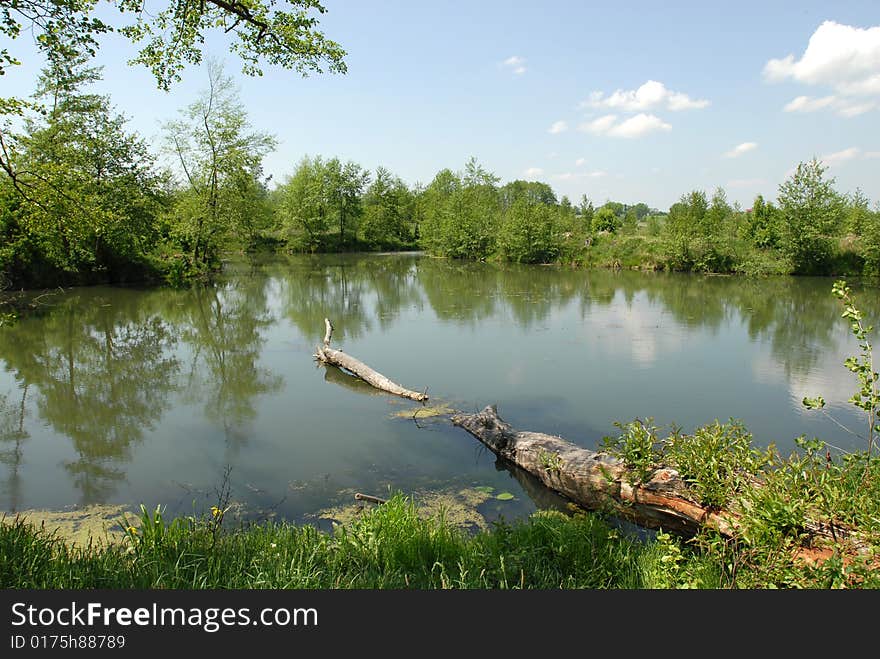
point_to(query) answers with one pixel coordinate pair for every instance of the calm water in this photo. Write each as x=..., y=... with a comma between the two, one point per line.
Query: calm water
x=126, y=396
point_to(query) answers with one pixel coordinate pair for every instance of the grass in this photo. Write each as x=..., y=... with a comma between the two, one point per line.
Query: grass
x=394, y=547
x=391, y=547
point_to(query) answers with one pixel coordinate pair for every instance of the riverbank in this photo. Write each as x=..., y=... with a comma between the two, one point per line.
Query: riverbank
x=393, y=547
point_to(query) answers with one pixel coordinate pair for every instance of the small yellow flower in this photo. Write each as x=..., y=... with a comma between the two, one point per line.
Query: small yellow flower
x=216, y=512
x=132, y=529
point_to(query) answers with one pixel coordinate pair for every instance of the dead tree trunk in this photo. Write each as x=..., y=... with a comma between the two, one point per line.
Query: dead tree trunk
x=599, y=481
x=338, y=358
x=595, y=480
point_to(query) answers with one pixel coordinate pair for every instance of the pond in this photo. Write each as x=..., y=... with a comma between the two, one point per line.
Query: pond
x=169, y=397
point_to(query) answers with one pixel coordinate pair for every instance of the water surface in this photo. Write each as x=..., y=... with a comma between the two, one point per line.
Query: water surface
x=127, y=396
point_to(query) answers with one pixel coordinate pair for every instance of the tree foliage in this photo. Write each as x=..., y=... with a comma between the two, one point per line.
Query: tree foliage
x=810, y=211
x=220, y=158
x=88, y=191
x=173, y=35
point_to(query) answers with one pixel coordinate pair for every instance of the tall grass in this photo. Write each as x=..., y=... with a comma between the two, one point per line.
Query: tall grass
x=391, y=547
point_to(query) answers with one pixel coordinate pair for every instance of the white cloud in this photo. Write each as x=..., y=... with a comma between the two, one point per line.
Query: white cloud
x=842, y=57
x=651, y=95
x=838, y=157
x=558, y=127
x=579, y=162
x=872, y=154
x=533, y=172
x=516, y=64
x=638, y=126
x=740, y=149
x=855, y=109
x=599, y=126
x=808, y=104
x=843, y=106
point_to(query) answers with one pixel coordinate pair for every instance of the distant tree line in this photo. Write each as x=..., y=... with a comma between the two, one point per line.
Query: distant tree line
x=84, y=200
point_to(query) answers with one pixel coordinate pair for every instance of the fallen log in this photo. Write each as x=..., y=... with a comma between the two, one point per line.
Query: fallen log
x=356, y=367
x=336, y=376
x=369, y=498
x=596, y=480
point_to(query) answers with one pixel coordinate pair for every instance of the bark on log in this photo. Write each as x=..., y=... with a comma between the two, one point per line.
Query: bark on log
x=338, y=358
x=595, y=480
x=337, y=376
x=598, y=481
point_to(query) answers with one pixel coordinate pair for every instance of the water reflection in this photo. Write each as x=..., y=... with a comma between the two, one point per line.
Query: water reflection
x=93, y=389
x=12, y=437
x=223, y=328
x=102, y=373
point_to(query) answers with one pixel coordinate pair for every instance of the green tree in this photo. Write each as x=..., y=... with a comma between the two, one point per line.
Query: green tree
x=385, y=202
x=604, y=219
x=810, y=209
x=641, y=210
x=870, y=243
x=528, y=232
x=438, y=204
x=65, y=30
x=762, y=226
x=615, y=207
x=305, y=210
x=716, y=215
x=347, y=188
x=220, y=157
x=533, y=191
x=88, y=190
x=462, y=213
x=857, y=212
x=686, y=217
x=175, y=31
x=586, y=211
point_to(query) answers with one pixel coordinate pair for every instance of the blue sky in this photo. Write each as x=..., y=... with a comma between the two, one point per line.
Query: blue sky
x=627, y=101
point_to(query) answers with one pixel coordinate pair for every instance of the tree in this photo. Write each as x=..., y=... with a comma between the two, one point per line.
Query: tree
x=686, y=217
x=174, y=34
x=763, y=223
x=319, y=196
x=89, y=194
x=352, y=180
x=534, y=192
x=810, y=209
x=462, y=216
x=68, y=29
x=870, y=243
x=384, y=204
x=438, y=199
x=604, y=219
x=220, y=157
x=586, y=211
x=528, y=232
x=716, y=215
x=304, y=207
x=857, y=212
x=641, y=210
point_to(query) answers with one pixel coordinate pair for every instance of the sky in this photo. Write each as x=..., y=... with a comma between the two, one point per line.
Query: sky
x=624, y=101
